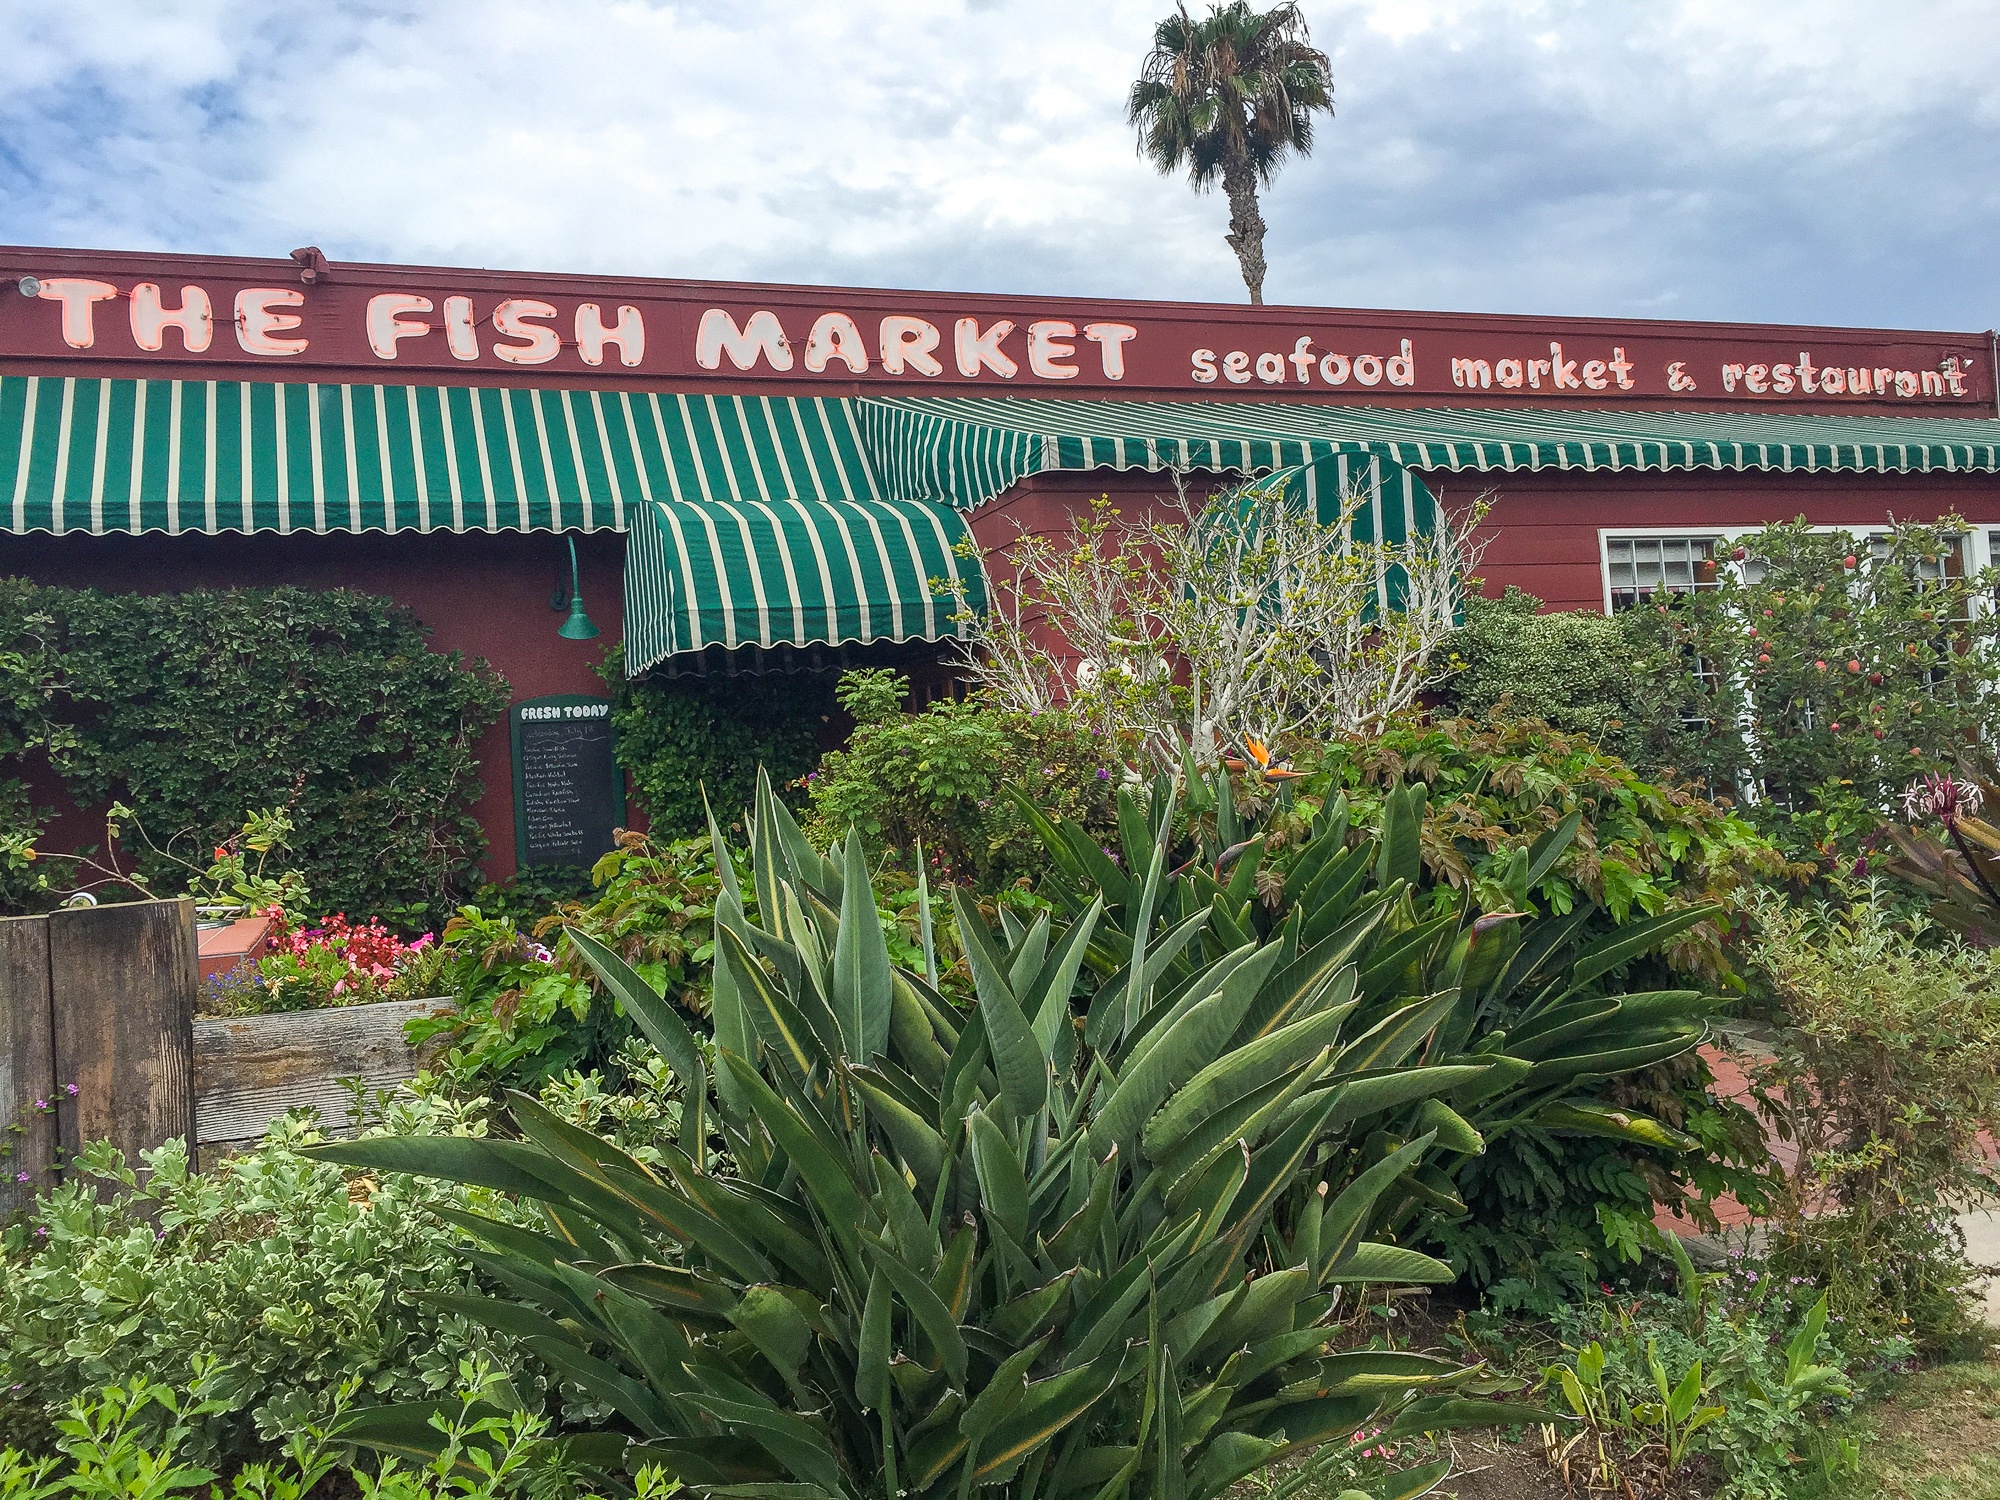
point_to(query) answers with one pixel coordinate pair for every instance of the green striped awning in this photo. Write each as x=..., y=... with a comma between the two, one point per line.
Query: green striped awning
x=795, y=571
x=90, y=455
x=966, y=450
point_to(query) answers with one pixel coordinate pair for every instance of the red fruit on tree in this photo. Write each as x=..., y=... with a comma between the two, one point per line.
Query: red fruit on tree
x=1854, y=666
x=1848, y=561
x=1821, y=665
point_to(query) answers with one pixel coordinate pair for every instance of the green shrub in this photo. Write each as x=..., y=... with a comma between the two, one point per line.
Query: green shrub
x=270, y=1280
x=936, y=778
x=921, y=1251
x=679, y=736
x=1885, y=1071
x=194, y=709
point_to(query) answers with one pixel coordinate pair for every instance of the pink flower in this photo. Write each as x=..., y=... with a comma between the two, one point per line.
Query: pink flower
x=1943, y=797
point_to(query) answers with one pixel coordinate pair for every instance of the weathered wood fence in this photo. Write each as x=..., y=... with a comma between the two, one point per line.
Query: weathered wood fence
x=103, y=999
x=96, y=1017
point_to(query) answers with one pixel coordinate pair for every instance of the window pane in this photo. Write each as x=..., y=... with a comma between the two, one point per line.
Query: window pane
x=1636, y=566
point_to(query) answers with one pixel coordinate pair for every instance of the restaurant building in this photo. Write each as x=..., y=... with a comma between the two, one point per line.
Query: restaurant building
x=750, y=474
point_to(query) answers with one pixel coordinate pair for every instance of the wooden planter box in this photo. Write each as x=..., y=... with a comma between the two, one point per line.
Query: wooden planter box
x=248, y=1070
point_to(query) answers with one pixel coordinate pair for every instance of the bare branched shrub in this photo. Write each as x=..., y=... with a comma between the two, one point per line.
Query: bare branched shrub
x=1242, y=619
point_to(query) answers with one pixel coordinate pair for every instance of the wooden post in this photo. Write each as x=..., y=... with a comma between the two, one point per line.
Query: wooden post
x=27, y=1061
x=124, y=981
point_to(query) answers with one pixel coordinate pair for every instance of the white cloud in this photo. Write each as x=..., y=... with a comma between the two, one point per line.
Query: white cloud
x=1823, y=160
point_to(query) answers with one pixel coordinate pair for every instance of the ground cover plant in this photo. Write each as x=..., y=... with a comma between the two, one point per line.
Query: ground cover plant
x=907, y=1248
x=136, y=1439
x=1716, y=1383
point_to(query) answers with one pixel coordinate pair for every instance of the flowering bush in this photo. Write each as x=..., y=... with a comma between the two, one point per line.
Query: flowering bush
x=337, y=962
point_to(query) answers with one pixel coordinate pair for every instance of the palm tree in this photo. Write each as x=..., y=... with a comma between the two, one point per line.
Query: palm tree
x=1229, y=96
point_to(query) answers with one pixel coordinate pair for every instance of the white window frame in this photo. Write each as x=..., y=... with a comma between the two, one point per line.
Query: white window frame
x=1980, y=542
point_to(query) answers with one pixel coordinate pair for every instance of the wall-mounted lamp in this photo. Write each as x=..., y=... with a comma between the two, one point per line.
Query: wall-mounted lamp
x=312, y=264
x=578, y=626
x=29, y=286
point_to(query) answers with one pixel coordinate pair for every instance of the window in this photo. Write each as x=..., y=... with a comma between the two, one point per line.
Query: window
x=1637, y=566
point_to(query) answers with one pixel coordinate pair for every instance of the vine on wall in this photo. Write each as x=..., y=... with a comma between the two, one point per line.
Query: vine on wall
x=193, y=708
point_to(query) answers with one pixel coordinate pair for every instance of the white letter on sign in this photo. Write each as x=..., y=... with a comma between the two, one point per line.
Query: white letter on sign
x=836, y=336
x=538, y=344
x=76, y=294
x=195, y=318
x=763, y=334
x=386, y=324
x=1046, y=351
x=1111, y=339
x=256, y=323
x=459, y=335
x=592, y=335
x=909, y=340
x=975, y=348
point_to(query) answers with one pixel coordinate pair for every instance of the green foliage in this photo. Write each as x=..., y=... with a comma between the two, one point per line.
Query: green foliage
x=1560, y=990
x=137, y=1441
x=681, y=735
x=28, y=677
x=902, y=1249
x=1885, y=1070
x=268, y=1281
x=1611, y=679
x=1821, y=687
x=193, y=709
x=935, y=778
x=1493, y=789
x=527, y=1008
x=1731, y=1374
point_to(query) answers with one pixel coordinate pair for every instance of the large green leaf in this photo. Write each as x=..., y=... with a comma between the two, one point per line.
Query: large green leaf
x=1018, y=1060
x=860, y=972
x=652, y=1012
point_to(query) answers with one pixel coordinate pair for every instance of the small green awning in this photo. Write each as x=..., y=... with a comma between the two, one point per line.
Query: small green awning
x=965, y=450
x=795, y=570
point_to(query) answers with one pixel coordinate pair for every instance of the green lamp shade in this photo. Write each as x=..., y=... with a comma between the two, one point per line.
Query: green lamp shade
x=578, y=626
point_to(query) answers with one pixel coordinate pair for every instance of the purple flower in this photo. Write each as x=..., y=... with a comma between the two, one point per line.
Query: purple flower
x=41, y=1104
x=22, y=1177
x=70, y=1088
x=42, y=1229
x=1102, y=774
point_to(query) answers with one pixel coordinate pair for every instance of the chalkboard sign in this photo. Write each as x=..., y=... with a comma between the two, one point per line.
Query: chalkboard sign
x=568, y=791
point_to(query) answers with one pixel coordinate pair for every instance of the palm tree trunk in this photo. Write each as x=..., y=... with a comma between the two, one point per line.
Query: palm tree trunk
x=1246, y=225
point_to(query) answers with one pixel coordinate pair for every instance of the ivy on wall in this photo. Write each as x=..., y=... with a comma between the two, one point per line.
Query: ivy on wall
x=679, y=735
x=195, y=708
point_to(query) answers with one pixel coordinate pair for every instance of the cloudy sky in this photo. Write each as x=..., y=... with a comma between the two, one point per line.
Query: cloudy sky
x=1830, y=161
